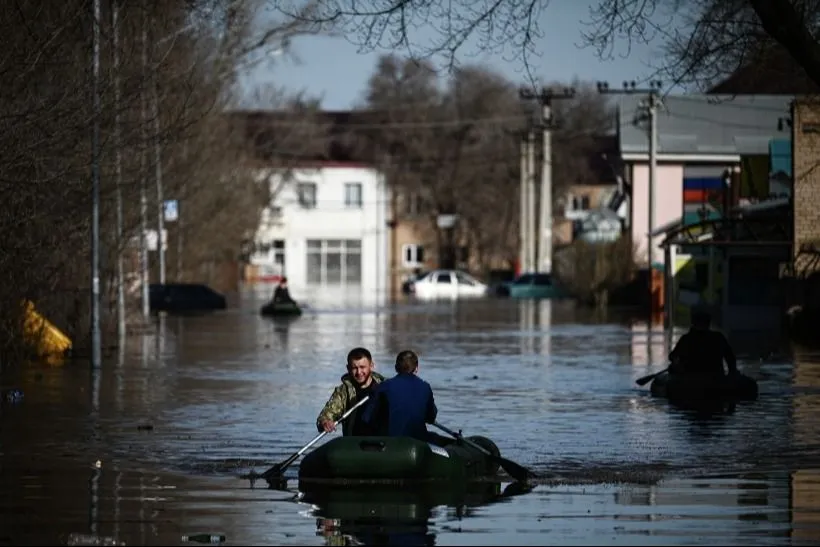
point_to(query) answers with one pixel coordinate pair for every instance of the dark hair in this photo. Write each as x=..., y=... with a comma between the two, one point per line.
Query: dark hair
x=701, y=318
x=407, y=362
x=283, y=280
x=358, y=353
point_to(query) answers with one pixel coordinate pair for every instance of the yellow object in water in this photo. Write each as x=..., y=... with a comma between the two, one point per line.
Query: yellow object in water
x=51, y=343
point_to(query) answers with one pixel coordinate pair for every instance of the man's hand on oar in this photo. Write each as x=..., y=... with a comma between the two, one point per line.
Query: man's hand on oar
x=274, y=474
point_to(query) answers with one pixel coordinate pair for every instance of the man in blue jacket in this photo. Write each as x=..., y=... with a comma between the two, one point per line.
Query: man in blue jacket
x=404, y=404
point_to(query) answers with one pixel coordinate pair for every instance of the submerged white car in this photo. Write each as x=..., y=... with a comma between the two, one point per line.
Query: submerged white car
x=448, y=284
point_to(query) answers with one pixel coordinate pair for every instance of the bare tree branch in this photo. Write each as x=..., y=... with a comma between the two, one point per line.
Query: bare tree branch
x=705, y=41
x=503, y=26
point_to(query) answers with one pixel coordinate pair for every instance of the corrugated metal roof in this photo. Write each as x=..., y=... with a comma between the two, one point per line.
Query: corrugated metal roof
x=706, y=124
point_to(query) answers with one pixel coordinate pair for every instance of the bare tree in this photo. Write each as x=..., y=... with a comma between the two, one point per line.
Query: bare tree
x=194, y=50
x=580, y=122
x=508, y=26
x=703, y=40
x=453, y=144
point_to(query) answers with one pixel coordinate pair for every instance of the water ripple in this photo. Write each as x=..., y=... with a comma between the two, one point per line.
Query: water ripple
x=156, y=441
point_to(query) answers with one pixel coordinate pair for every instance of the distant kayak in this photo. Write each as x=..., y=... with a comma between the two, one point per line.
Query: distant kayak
x=281, y=309
x=686, y=388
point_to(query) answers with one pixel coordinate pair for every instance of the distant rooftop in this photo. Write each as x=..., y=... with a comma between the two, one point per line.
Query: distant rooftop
x=776, y=73
x=706, y=124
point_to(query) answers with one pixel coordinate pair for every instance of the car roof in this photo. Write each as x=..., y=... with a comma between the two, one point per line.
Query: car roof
x=447, y=271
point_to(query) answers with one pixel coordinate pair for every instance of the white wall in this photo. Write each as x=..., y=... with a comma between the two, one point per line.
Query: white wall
x=330, y=219
x=668, y=200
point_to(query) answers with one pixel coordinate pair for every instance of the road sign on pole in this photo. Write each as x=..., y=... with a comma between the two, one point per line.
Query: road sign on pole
x=171, y=208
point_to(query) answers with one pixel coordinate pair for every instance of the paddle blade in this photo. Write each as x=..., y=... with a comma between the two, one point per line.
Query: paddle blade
x=649, y=377
x=274, y=474
x=645, y=380
x=516, y=471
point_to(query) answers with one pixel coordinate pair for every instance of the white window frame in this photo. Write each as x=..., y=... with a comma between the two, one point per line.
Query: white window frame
x=359, y=201
x=411, y=249
x=301, y=194
x=345, y=249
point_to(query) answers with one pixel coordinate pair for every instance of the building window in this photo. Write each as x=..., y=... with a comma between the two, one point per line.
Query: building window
x=353, y=195
x=413, y=204
x=269, y=256
x=307, y=194
x=334, y=261
x=580, y=203
x=412, y=255
x=277, y=255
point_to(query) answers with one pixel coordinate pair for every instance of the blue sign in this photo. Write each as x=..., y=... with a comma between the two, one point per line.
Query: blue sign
x=171, y=208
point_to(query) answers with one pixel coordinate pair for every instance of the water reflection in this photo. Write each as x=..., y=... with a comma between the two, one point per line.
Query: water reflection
x=395, y=516
x=187, y=407
x=805, y=483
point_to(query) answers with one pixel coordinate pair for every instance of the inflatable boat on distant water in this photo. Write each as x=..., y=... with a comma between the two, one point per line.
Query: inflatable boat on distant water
x=281, y=309
x=694, y=389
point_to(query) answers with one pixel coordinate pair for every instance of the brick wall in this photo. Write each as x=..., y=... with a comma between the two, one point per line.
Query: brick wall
x=806, y=146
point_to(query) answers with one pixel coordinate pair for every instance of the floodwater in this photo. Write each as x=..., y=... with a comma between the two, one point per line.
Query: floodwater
x=152, y=447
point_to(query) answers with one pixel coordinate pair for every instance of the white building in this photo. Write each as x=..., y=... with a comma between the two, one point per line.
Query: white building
x=326, y=230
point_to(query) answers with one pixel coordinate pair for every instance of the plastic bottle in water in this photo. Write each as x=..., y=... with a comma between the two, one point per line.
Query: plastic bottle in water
x=204, y=538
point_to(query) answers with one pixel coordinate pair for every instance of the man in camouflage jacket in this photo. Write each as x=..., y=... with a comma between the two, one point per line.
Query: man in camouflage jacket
x=356, y=384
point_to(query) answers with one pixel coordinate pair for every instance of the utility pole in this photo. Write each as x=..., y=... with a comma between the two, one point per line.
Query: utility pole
x=531, y=199
x=647, y=109
x=524, y=209
x=158, y=175
x=545, y=97
x=144, y=170
x=96, y=342
x=115, y=24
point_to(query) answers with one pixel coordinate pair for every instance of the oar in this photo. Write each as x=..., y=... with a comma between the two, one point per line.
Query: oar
x=277, y=470
x=648, y=378
x=516, y=471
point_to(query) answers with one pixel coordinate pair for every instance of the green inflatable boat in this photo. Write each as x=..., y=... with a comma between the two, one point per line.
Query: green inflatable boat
x=281, y=309
x=693, y=389
x=351, y=460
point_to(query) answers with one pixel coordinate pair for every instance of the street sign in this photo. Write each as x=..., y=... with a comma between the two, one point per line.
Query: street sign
x=171, y=208
x=151, y=240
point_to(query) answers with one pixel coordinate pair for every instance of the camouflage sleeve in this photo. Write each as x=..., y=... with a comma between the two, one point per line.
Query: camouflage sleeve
x=334, y=408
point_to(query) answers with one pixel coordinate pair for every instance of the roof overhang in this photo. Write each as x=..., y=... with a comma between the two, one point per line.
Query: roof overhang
x=682, y=158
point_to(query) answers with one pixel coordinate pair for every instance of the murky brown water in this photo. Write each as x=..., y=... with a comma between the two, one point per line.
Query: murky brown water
x=230, y=392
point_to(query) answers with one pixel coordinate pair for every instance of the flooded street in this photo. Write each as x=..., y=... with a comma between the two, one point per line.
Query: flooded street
x=152, y=448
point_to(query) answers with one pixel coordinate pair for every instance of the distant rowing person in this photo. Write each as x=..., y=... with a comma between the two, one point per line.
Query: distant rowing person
x=282, y=294
x=701, y=351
